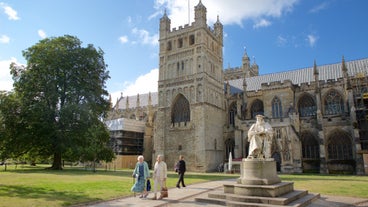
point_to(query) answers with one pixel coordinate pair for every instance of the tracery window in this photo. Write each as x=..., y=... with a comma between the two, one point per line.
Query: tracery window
x=257, y=108
x=276, y=108
x=333, y=103
x=310, y=146
x=339, y=146
x=180, y=110
x=307, y=106
x=232, y=113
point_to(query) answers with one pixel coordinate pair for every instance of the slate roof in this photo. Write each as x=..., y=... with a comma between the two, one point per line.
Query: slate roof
x=297, y=77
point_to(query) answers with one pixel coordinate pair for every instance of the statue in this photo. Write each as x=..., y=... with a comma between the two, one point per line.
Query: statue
x=260, y=137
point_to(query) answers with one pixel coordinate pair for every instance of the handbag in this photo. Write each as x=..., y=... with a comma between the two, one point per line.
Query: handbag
x=164, y=191
x=148, y=185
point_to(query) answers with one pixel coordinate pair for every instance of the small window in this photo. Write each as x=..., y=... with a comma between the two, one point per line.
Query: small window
x=191, y=40
x=169, y=46
x=180, y=43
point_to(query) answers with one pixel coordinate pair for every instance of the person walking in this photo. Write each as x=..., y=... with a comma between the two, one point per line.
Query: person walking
x=181, y=170
x=141, y=173
x=159, y=176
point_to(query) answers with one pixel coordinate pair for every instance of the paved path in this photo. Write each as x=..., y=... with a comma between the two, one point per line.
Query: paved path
x=185, y=197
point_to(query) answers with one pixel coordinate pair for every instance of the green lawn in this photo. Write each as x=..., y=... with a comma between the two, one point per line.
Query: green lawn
x=34, y=186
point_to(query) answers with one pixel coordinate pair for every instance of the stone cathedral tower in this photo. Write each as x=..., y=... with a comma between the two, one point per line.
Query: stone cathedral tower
x=191, y=109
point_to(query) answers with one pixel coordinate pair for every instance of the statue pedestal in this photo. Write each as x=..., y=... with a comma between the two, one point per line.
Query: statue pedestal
x=258, y=172
x=259, y=185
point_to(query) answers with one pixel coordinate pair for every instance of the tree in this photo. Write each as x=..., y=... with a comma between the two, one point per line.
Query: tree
x=62, y=95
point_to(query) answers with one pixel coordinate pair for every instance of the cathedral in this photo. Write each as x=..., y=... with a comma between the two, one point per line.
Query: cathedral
x=319, y=114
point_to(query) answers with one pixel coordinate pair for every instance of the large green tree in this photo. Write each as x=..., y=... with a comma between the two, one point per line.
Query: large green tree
x=63, y=97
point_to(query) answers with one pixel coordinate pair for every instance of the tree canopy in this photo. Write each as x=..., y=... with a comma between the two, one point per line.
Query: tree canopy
x=61, y=101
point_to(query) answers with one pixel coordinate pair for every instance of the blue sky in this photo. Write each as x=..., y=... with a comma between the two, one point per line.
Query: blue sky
x=279, y=35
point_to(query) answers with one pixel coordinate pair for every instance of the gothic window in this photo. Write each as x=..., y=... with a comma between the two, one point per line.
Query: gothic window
x=257, y=108
x=333, y=103
x=307, y=106
x=339, y=146
x=180, y=110
x=276, y=108
x=191, y=40
x=229, y=144
x=310, y=146
x=232, y=113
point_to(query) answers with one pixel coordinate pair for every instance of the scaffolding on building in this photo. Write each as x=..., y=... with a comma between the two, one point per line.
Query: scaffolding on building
x=360, y=92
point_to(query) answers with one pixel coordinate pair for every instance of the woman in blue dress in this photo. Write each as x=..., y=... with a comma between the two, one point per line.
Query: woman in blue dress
x=141, y=173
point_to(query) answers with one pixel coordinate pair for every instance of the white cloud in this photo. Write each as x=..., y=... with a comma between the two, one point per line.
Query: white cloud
x=144, y=37
x=4, y=39
x=281, y=41
x=229, y=11
x=123, y=39
x=10, y=12
x=319, y=7
x=6, y=81
x=143, y=84
x=261, y=23
x=312, y=39
x=41, y=33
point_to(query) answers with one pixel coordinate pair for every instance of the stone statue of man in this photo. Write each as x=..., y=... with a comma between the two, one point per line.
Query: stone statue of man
x=260, y=137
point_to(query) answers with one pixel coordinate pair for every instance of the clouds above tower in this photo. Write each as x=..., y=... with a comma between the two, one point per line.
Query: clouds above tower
x=260, y=12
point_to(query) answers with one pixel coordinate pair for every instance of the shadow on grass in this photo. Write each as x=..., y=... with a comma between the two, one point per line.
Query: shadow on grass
x=74, y=171
x=319, y=177
x=66, y=198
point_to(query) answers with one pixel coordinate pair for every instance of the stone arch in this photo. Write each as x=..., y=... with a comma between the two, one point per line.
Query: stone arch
x=340, y=159
x=333, y=103
x=310, y=152
x=229, y=148
x=180, y=110
x=256, y=108
x=307, y=106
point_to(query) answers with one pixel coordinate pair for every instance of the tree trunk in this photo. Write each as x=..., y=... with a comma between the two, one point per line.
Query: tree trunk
x=57, y=164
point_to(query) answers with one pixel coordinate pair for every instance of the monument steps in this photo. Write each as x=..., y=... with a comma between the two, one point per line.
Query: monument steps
x=294, y=199
x=259, y=185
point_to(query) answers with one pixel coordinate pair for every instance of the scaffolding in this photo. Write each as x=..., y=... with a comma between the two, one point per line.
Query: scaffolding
x=360, y=91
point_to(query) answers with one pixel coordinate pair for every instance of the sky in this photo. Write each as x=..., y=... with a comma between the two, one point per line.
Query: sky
x=278, y=35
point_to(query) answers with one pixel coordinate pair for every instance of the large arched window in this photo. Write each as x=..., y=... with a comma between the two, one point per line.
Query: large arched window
x=310, y=146
x=307, y=106
x=333, y=103
x=276, y=108
x=339, y=146
x=232, y=113
x=180, y=111
x=257, y=108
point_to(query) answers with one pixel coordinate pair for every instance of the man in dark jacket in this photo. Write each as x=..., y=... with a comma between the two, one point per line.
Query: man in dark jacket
x=180, y=167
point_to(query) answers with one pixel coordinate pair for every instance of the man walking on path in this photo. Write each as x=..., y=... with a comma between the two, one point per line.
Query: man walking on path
x=181, y=170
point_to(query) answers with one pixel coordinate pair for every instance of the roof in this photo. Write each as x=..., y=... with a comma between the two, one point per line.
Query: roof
x=305, y=75
x=143, y=100
x=297, y=77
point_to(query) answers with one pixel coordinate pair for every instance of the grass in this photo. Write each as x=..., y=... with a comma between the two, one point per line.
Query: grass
x=35, y=186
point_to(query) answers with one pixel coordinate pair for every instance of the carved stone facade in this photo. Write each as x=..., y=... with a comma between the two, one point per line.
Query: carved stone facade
x=204, y=112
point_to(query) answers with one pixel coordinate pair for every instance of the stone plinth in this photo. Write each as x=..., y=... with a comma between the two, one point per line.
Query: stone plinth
x=259, y=185
x=258, y=172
